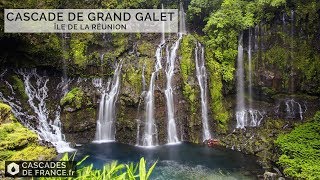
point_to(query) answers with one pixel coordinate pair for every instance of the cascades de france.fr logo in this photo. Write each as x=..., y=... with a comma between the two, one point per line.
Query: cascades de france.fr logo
x=13, y=168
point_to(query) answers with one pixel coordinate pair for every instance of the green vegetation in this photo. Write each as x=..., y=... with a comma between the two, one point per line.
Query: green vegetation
x=18, y=86
x=190, y=89
x=112, y=171
x=78, y=48
x=224, y=20
x=133, y=77
x=74, y=98
x=17, y=142
x=300, y=152
x=220, y=113
x=187, y=64
x=118, y=46
x=5, y=113
x=199, y=11
x=146, y=49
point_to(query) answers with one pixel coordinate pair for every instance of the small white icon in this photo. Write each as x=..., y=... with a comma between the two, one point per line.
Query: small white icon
x=13, y=168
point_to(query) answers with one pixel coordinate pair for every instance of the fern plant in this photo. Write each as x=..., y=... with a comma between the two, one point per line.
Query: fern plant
x=111, y=171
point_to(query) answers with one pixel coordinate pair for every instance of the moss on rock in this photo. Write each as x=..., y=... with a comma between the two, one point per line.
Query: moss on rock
x=33, y=153
x=73, y=98
x=5, y=113
x=78, y=49
x=190, y=87
x=18, y=86
x=218, y=109
x=17, y=142
x=187, y=64
x=146, y=49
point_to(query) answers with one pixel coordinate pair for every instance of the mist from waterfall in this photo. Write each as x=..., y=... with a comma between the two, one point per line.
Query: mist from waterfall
x=105, y=131
x=202, y=80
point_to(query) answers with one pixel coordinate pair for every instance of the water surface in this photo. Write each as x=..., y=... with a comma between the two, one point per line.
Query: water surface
x=180, y=161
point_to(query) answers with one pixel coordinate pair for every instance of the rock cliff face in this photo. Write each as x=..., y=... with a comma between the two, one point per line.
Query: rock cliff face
x=279, y=103
x=79, y=106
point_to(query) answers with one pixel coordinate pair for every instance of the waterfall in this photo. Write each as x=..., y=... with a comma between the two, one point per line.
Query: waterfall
x=290, y=109
x=143, y=78
x=291, y=89
x=240, y=108
x=256, y=36
x=245, y=117
x=293, y=108
x=171, y=56
x=65, y=80
x=15, y=105
x=150, y=137
x=48, y=130
x=202, y=80
x=182, y=22
x=250, y=68
x=105, y=131
x=139, y=105
x=101, y=58
x=283, y=21
x=138, y=132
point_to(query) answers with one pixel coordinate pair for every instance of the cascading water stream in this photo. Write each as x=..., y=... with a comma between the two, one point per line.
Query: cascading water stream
x=15, y=105
x=250, y=68
x=240, y=107
x=291, y=89
x=48, y=130
x=171, y=56
x=182, y=22
x=293, y=108
x=150, y=136
x=202, y=80
x=256, y=37
x=65, y=81
x=245, y=117
x=138, y=119
x=105, y=131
